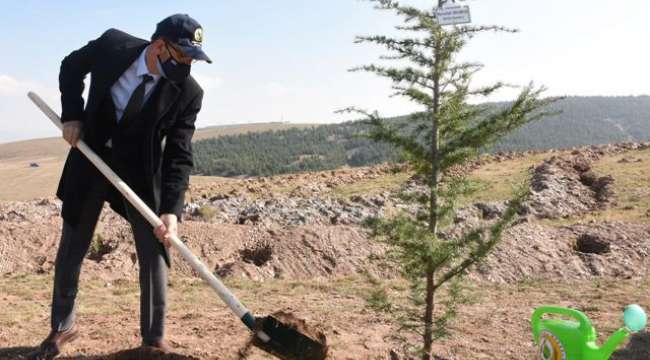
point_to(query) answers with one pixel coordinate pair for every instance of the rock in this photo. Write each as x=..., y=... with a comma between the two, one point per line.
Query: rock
x=219, y=197
x=588, y=178
x=290, y=211
x=491, y=210
x=603, y=188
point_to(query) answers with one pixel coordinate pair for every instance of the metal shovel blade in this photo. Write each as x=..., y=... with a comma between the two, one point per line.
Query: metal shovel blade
x=288, y=343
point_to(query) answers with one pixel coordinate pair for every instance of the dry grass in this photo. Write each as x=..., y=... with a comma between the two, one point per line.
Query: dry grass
x=340, y=305
x=497, y=181
x=206, y=212
x=22, y=182
x=494, y=181
x=387, y=182
x=631, y=187
x=224, y=130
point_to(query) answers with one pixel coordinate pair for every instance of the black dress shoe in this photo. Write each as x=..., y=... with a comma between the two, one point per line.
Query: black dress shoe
x=160, y=346
x=52, y=345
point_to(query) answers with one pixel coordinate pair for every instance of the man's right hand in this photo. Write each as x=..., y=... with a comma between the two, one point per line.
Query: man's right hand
x=72, y=132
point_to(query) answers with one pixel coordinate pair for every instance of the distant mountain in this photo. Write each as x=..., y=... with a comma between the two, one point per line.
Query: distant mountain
x=287, y=151
x=583, y=121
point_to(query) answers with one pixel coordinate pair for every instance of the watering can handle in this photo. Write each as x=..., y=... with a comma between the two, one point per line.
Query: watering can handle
x=583, y=320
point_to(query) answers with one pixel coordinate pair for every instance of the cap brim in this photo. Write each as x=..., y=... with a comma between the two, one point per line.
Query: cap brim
x=194, y=51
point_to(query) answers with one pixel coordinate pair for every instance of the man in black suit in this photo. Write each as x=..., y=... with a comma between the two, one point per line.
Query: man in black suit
x=139, y=117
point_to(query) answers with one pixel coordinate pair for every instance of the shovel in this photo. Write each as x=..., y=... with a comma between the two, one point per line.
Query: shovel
x=282, y=340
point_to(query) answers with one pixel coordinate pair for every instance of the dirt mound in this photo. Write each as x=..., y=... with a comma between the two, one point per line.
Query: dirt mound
x=296, y=252
x=30, y=236
x=564, y=186
x=580, y=251
x=138, y=354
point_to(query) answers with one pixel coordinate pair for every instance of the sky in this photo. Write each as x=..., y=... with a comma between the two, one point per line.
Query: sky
x=288, y=60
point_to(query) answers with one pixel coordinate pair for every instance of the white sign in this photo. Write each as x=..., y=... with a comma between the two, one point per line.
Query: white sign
x=452, y=15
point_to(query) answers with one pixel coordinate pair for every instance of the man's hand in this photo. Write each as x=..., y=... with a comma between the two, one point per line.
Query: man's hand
x=72, y=132
x=168, y=229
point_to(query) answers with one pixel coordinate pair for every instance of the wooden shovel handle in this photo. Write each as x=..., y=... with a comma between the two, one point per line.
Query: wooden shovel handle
x=224, y=293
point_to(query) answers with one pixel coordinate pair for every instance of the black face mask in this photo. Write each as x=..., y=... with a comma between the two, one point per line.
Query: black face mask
x=172, y=69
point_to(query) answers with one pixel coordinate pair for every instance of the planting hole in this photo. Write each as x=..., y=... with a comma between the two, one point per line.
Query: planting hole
x=258, y=255
x=591, y=244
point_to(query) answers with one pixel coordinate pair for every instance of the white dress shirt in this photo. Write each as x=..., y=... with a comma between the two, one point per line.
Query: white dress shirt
x=124, y=86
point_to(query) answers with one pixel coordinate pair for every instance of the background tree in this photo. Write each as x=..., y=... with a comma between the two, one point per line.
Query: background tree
x=583, y=121
x=446, y=134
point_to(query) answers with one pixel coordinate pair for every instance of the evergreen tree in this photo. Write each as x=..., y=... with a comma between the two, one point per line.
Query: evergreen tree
x=448, y=132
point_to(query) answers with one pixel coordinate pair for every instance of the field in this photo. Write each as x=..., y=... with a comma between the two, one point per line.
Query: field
x=323, y=272
x=200, y=326
x=49, y=154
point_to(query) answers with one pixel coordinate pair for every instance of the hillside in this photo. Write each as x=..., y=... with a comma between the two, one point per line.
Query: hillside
x=265, y=149
x=236, y=129
x=585, y=121
x=57, y=148
x=295, y=243
x=582, y=121
x=49, y=154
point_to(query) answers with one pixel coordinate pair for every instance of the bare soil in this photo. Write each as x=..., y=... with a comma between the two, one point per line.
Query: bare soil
x=200, y=327
x=577, y=247
x=29, y=234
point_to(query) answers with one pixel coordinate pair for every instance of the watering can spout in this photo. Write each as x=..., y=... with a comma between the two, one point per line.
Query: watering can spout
x=635, y=320
x=612, y=343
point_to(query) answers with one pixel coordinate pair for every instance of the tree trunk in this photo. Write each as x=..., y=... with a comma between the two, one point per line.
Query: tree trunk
x=433, y=228
x=433, y=206
x=428, y=318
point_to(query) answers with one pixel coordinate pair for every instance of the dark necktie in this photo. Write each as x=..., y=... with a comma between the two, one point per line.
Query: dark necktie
x=137, y=99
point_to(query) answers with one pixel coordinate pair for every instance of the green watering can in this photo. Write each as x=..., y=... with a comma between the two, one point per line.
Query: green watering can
x=560, y=339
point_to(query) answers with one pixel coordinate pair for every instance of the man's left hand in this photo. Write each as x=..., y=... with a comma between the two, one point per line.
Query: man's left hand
x=167, y=229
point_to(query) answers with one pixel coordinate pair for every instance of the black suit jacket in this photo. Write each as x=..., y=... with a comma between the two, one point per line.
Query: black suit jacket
x=158, y=175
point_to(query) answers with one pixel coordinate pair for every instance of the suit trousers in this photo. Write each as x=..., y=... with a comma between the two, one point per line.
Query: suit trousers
x=75, y=241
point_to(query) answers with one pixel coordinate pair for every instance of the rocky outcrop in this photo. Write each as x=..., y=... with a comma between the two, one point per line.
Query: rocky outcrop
x=564, y=186
x=288, y=211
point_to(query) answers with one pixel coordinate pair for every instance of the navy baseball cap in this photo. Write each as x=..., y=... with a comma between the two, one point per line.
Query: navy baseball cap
x=185, y=32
